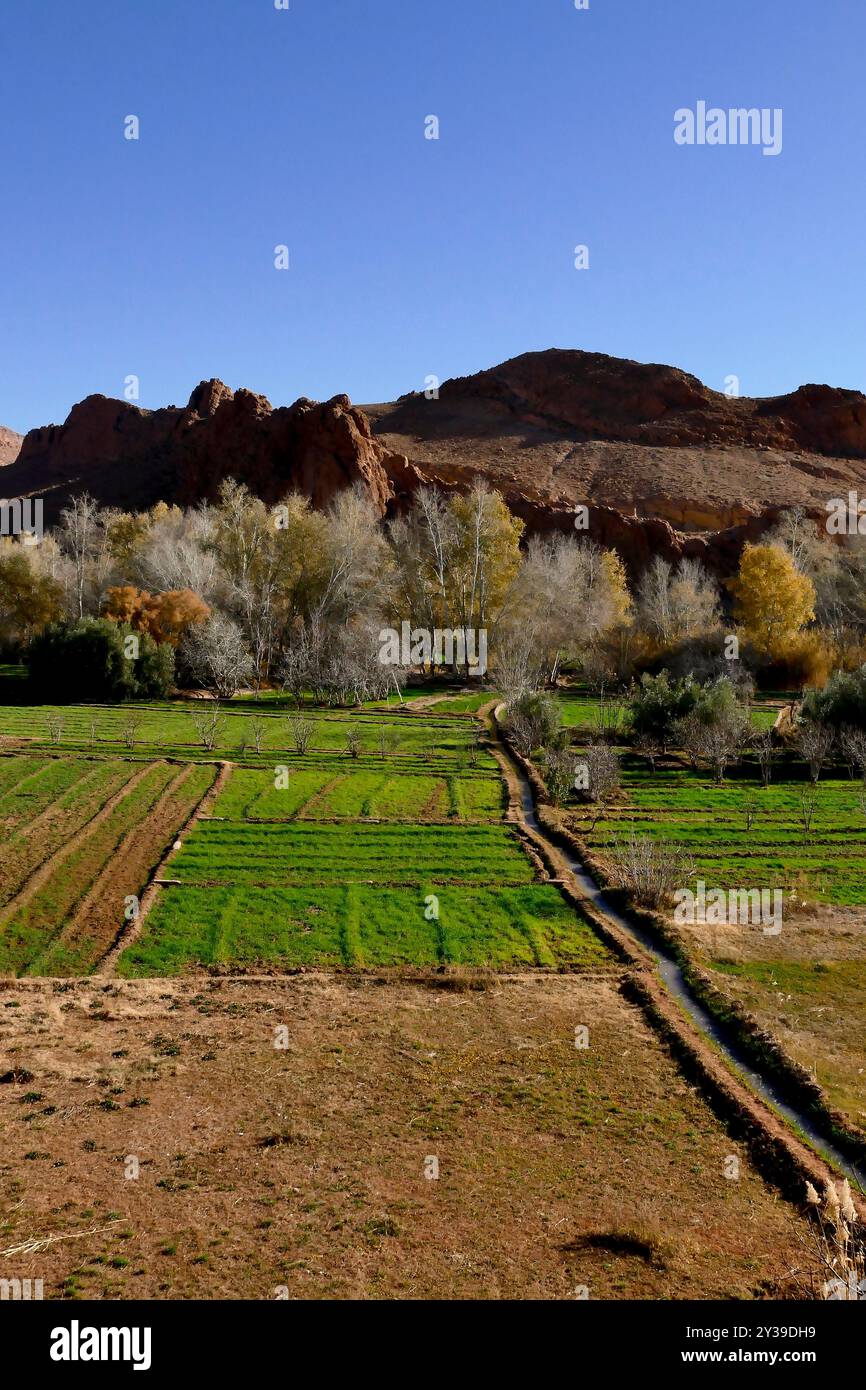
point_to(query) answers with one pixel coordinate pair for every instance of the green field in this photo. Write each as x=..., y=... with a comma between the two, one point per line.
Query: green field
x=356, y=925
x=330, y=857
x=582, y=710
x=806, y=986
x=678, y=805
x=169, y=729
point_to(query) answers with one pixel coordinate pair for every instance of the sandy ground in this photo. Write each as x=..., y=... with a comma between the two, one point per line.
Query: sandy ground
x=307, y=1169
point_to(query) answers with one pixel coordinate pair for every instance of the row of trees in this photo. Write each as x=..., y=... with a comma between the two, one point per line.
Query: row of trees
x=246, y=594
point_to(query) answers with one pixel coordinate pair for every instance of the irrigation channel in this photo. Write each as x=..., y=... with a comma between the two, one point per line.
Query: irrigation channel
x=672, y=977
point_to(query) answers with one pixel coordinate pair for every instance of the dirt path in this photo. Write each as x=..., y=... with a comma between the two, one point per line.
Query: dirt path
x=132, y=930
x=423, y=702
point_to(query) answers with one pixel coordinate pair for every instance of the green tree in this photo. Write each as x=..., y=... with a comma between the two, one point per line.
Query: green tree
x=91, y=659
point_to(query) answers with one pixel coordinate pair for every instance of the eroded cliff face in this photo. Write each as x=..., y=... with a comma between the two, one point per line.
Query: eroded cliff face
x=132, y=458
x=664, y=464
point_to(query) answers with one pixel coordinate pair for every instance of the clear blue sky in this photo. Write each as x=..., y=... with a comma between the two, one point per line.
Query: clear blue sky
x=412, y=257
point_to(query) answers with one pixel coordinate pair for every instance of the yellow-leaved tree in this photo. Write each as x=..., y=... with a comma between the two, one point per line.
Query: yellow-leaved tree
x=774, y=601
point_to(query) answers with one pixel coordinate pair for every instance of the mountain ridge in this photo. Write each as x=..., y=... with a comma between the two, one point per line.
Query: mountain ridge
x=662, y=461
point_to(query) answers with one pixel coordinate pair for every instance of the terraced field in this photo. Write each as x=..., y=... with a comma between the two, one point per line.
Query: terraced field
x=80, y=836
x=581, y=709
x=384, y=844
x=806, y=985
x=350, y=866
x=741, y=834
x=245, y=731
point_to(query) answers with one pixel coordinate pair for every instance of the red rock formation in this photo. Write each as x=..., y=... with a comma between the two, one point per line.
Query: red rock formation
x=129, y=457
x=665, y=464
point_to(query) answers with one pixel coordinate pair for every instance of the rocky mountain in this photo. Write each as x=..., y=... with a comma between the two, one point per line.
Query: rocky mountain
x=128, y=457
x=10, y=443
x=664, y=463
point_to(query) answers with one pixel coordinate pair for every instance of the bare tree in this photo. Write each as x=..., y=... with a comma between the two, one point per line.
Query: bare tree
x=210, y=725
x=130, y=727
x=300, y=732
x=215, y=655
x=258, y=726
x=599, y=766
x=474, y=751
x=852, y=743
x=765, y=748
x=353, y=742
x=815, y=741
x=649, y=747
x=55, y=727
x=81, y=535
x=722, y=743
x=677, y=604
x=650, y=870
x=807, y=811
x=386, y=740
x=691, y=734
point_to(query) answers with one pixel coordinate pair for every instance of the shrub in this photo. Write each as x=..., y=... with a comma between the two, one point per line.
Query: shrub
x=658, y=706
x=558, y=773
x=841, y=702
x=534, y=720
x=86, y=660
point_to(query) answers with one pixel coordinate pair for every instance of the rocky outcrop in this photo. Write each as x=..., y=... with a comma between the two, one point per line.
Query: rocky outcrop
x=665, y=464
x=599, y=397
x=10, y=443
x=132, y=458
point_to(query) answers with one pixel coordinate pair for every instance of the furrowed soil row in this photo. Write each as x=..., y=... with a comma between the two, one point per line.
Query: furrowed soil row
x=96, y=919
x=50, y=866
x=132, y=930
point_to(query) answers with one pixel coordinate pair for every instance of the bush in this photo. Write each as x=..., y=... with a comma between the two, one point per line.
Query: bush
x=841, y=702
x=87, y=660
x=659, y=705
x=534, y=720
x=559, y=773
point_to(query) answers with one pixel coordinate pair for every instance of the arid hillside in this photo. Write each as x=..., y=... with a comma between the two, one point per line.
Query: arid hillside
x=664, y=463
